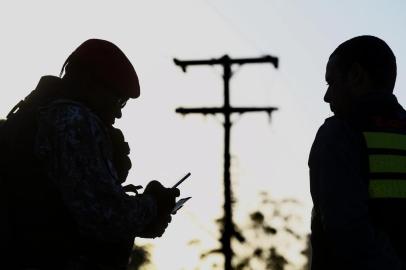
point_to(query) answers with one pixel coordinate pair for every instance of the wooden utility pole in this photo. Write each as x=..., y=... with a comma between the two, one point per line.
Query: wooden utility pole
x=228, y=230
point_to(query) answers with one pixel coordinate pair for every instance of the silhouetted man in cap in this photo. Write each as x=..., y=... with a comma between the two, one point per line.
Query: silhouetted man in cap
x=357, y=163
x=62, y=166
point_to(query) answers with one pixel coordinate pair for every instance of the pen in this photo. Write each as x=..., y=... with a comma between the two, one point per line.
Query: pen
x=181, y=180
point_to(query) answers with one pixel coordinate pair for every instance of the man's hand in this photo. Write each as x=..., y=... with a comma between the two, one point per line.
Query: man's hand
x=166, y=200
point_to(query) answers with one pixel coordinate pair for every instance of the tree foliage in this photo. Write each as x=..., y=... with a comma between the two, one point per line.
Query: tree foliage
x=271, y=237
x=140, y=257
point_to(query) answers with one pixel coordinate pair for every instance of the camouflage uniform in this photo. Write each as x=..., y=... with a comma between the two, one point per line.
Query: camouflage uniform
x=75, y=146
x=66, y=207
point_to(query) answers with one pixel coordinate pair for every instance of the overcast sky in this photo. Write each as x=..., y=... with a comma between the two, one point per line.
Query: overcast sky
x=37, y=36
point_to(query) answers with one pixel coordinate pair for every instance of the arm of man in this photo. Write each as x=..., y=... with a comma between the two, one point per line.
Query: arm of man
x=76, y=150
x=342, y=199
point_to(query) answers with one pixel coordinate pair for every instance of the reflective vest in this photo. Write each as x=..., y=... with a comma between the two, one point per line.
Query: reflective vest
x=387, y=164
x=385, y=148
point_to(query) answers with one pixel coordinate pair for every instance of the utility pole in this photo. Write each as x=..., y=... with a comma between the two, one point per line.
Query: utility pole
x=228, y=230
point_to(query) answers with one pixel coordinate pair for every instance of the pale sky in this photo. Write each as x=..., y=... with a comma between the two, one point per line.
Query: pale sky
x=37, y=36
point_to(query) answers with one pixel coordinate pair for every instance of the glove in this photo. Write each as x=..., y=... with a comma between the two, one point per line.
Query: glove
x=165, y=199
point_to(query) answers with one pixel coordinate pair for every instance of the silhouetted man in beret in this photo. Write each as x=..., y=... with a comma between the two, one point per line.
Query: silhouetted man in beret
x=62, y=166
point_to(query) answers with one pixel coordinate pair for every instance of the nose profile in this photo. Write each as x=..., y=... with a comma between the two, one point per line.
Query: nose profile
x=118, y=114
x=327, y=96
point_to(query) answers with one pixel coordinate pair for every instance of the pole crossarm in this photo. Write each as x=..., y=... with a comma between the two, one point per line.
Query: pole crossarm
x=241, y=110
x=226, y=60
x=222, y=110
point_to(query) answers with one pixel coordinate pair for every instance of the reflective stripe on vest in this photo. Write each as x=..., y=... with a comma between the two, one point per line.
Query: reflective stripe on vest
x=387, y=163
x=384, y=140
x=387, y=158
x=387, y=188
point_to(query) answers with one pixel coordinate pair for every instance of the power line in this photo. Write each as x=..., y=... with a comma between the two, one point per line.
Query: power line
x=234, y=27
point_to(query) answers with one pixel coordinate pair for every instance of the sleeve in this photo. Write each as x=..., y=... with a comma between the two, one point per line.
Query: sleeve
x=74, y=147
x=343, y=204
